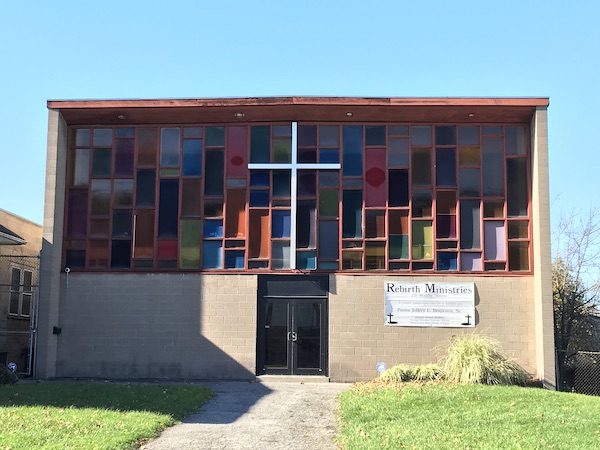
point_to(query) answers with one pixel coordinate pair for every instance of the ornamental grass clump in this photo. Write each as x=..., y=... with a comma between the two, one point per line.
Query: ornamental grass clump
x=399, y=373
x=428, y=372
x=7, y=376
x=473, y=358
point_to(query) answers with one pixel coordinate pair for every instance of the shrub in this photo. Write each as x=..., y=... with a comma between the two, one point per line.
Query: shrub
x=401, y=372
x=473, y=358
x=7, y=376
x=428, y=372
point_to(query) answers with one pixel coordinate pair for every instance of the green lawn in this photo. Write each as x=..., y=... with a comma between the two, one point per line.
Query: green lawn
x=91, y=416
x=446, y=416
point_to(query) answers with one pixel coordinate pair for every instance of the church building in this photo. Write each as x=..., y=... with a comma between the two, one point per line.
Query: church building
x=230, y=238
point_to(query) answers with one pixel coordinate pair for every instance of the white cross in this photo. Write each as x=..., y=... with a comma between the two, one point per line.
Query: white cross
x=294, y=166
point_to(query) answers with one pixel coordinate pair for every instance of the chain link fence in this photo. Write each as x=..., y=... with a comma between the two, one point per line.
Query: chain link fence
x=579, y=372
x=18, y=310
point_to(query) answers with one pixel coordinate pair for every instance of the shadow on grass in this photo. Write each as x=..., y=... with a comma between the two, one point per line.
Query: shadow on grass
x=176, y=400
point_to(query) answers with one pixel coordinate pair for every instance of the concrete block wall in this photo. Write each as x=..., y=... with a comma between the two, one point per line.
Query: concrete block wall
x=179, y=326
x=358, y=338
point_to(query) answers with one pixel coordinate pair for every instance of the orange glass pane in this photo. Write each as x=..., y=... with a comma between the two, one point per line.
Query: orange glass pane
x=235, y=219
x=144, y=234
x=147, y=144
x=259, y=233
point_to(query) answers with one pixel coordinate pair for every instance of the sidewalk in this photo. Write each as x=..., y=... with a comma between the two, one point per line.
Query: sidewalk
x=263, y=415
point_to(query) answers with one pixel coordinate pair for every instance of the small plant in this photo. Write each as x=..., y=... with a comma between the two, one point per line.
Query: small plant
x=428, y=372
x=473, y=358
x=7, y=376
x=399, y=373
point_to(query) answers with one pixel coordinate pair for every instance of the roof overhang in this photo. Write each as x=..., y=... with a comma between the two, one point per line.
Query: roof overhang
x=8, y=237
x=321, y=109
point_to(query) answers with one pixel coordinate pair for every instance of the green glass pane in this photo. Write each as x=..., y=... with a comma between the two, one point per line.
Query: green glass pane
x=306, y=260
x=282, y=150
x=101, y=162
x=422, y=240
x=260, y=144
x=328, y=203
x=421, y=167
x=398, y=246
x=352, y=214
x=168, y=173
x=375, y=256
x=189, y=244
x=215, y=136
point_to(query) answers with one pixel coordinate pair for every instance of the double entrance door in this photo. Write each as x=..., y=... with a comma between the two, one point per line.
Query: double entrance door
x=292, y=330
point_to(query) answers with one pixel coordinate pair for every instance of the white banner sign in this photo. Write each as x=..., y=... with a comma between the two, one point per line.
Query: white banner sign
x=429, y=304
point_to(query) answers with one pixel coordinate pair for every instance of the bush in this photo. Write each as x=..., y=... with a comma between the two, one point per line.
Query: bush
x=473, y=358
x=7, y=376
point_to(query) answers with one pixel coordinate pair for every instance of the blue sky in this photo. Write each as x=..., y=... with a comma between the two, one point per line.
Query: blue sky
x=194, y=49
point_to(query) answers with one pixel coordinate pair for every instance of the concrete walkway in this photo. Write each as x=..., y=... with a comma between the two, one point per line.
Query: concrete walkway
x=266, y=415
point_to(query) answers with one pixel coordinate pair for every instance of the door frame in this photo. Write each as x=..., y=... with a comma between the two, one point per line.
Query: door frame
x=291, y=290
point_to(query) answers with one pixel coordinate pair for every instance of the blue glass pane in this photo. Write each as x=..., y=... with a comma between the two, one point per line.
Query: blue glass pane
x=213, y=228
x=445, y=167
x=420, y=135
x=398, y=188
x=328, y=239
x=327, y=265
x=192, y=157
x=447, y=261
x=259, y=198
x=125, y=132
x=375, y=135
x=281, y=224
x=281, y=183
x=468, y=135
x=234, y=259
x=306, y=260
x=329, y=135
x=212, y=255
x=469, y=183
x=329, y=155
x=353, y=151
x=398, y=130
x=168, y=209
x=259, y=179
x=169, y=147
x=398, y=152
x=445, y=135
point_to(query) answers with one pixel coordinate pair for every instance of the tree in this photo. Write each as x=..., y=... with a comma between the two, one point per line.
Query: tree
x=575, y=284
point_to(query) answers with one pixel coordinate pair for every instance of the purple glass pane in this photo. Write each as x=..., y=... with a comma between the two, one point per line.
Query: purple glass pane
x=77, y=218
x=307, y=135
x=470, y=262
x=494, y=240
x=124, y=157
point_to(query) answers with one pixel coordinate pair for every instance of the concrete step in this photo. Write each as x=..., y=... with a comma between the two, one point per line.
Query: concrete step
x=293, y=378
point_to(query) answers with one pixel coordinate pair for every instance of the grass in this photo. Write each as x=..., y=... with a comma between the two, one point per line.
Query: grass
x=91, y=416
x=451, y=416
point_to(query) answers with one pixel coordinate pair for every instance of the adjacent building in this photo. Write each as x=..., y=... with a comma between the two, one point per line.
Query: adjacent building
x=235, y=237
x=20, y=245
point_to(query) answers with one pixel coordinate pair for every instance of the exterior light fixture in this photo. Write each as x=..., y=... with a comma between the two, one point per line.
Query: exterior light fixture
x=349, y=114
x=121, y=117
x=239, y=114
x=471, y=115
